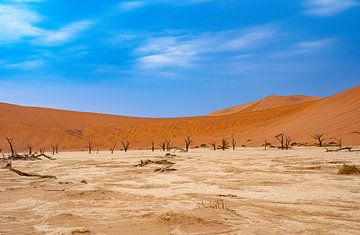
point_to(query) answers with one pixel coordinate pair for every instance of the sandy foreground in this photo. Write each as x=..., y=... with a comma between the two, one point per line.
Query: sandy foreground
x=258, y=192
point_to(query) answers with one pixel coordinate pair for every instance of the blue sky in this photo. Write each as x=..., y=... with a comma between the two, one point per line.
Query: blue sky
x=166, y=58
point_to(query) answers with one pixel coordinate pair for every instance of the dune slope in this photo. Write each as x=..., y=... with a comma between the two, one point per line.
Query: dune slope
x=266, y=103
x=336, y=116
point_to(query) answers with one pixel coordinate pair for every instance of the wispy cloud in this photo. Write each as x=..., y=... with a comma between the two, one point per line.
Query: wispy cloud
x=136, y=4
x=24, y=65
x=186, y=50
x=328, y=7
x=131, y=5
x=17, y=22
x=305, y=47
x=64, y=34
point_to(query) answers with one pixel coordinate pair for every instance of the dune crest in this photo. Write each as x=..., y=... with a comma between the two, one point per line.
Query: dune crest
x=269, y=102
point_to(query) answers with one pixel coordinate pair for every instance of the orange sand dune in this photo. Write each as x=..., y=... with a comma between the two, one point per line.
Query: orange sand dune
x=266, y=103
x=336, y=116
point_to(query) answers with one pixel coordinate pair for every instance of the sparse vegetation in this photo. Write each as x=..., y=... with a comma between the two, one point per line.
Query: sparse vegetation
x=348, y=170
x=218, y=204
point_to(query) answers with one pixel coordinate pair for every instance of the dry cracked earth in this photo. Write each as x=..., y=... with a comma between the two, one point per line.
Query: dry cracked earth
x=247, y=191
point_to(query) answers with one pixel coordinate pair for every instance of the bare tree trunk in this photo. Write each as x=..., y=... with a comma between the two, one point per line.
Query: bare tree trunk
x=30, y=148
x=168, y=144
x=112, y=148
x=90, y=146
x=213, y=144
x=125, y=145
x=152, y=146
x=10, y=142
x=188, y=142
x=320, y=138
x=233, y=142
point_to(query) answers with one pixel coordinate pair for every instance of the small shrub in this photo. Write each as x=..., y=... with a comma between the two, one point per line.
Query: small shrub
x=348, y=170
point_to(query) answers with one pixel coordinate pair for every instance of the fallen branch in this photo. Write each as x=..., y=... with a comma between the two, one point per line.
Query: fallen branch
x=339, y=149
x=9, y=166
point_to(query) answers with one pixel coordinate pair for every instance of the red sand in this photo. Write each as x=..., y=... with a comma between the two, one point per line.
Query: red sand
x=335, y=116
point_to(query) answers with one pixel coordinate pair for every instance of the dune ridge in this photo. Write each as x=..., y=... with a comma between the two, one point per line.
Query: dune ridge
x=335, y=116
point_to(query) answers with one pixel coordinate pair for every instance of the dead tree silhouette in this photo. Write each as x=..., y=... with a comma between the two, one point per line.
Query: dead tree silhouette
x=285, y=141
x=90, y=147
x=30, y=147
x=320, y=138
x=224, y=144
x=125, y=144
x=188, y=142
x=112, y=148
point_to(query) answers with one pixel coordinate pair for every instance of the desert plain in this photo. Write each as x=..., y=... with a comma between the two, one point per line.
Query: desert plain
x=246, y=191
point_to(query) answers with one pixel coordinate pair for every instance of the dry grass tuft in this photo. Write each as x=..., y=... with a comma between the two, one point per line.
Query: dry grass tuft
x=218, y=204
x=348, y=170
x=178, y=218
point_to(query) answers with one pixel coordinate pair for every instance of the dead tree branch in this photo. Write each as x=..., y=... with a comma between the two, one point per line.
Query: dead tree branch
x=90, y=147
x=188, y=142
x=285, y=141
x=112, y=148
x=320, y=138
x=125, y=145
x=224, y=144
x=233, y=142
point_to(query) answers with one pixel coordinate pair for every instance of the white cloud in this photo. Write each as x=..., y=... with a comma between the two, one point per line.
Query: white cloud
x=63, y=35
x=186, y=50
x=328, y=7
x=18, y=22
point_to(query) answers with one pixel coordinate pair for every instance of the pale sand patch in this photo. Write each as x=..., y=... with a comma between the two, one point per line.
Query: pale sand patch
x=272, y=192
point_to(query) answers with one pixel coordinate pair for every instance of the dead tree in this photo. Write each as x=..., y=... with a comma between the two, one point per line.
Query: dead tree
x=125, y=144
x=213, y=144
x=188, y=142
x=168, y=144
x=10, y=142
x=224, y=144
x=152, y=146
x=320, y=138
x=57, y=149
x=53, y=147
x=266, y=144
x=163, y=146
x=42, y=150
x=338, y=141
x=112, y=148
x=233, y=142
x=97, y=151
x=30, y=148
x=285, y=141
x=90, y=146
